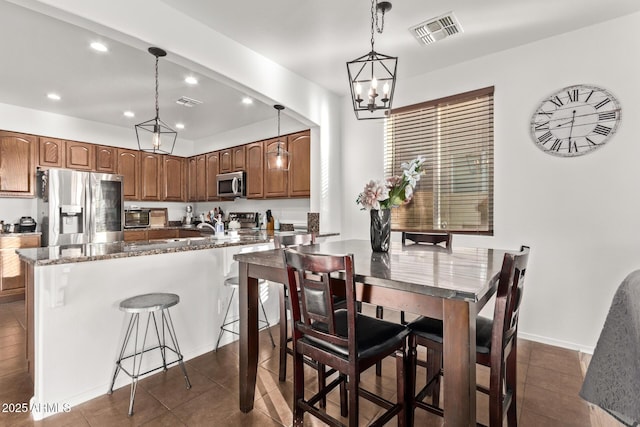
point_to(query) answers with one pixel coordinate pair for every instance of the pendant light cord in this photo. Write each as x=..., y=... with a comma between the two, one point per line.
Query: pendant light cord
x=157, y=107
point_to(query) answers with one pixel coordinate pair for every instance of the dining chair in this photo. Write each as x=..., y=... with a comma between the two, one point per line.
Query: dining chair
x=416, y=238
x=342, y=339
x=285, y=241
x=496, y=347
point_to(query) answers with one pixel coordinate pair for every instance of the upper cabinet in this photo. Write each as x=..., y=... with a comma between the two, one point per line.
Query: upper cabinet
x=255, y=170
x=150, y=176
x=51, y=153
x=173, y=179
x=275, y=180
x=197, y=178
x=226, y=160
x=213, y=168
x=238, y=158
x=299, y=146
x=129, y=168
x=80, y=155
x=17, y=164
x=106, y=159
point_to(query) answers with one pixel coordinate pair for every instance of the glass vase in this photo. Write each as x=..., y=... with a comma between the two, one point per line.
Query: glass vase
x=380, y=229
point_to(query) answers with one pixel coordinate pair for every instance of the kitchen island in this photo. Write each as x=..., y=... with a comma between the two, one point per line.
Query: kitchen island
x=75, y=327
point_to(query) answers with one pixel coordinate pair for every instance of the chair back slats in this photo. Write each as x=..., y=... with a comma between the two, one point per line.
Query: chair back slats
x=287, y=240
x=430, y=238
x=315, y=314
x=509, y=297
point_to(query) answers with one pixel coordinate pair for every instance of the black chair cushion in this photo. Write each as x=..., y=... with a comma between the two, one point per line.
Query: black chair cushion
x=375, y=336
x=431, y=329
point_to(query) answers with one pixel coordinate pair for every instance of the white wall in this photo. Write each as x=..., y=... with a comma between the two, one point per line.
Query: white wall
x=579, y=215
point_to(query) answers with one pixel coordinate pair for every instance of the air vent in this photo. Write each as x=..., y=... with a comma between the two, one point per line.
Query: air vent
x=436, y=29
x=188, y=102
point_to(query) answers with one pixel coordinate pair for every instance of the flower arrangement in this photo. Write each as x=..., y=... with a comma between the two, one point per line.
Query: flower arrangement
x=396, y=191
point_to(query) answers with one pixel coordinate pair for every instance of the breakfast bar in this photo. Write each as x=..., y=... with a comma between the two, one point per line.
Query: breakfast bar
x=74, y=325
x=449, y=285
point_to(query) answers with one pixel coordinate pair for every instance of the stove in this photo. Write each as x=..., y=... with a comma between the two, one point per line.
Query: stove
x=246, y=219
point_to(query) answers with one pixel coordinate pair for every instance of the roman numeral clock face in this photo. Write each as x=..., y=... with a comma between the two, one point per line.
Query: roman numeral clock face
x=576, y=120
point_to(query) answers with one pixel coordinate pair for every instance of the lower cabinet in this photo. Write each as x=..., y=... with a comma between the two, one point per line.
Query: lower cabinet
x=12, y=270
x=159, y=234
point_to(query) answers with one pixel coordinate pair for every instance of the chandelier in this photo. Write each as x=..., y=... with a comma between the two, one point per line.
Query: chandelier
x=154, y=135
x=374, y=73
x=278, y=157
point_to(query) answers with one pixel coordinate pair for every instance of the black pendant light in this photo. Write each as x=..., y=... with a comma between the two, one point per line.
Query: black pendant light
x=372, y=77
x=278, y=157
x=154, y=135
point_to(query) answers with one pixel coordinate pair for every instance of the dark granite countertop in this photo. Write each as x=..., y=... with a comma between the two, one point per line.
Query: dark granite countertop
x=67, y=254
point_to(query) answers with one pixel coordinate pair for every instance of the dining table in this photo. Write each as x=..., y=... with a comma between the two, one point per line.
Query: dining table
x=448, y=284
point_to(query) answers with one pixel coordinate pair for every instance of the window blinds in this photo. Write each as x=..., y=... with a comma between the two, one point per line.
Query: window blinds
x=455, y=136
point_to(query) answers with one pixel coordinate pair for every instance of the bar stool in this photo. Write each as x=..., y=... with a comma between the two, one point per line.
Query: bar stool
x=233, y=281
x=148, y=303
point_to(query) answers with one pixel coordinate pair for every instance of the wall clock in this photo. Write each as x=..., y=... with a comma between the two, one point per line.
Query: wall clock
x=575, y=120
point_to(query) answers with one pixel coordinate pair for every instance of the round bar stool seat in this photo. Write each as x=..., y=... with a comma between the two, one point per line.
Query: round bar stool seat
x=151, y=304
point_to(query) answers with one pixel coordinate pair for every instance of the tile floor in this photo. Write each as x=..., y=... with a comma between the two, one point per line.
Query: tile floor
x=549, y=381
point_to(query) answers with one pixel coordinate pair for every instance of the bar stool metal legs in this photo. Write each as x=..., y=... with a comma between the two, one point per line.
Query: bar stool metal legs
x=150, y=304
x=233, y=282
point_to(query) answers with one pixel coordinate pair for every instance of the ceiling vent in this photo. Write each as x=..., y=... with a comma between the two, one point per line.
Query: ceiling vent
x=436, y=29
x=188, y=102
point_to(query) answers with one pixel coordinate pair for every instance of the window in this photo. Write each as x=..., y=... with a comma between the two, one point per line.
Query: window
x=455, y=136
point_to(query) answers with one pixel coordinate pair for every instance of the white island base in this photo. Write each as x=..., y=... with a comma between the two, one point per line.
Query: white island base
x=78, y=328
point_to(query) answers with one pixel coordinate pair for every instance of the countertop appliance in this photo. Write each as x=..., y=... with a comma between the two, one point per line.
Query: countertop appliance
x=26, y=225
x=79, y=207
x=246, y=219
x=137, y=218
x=231, y=184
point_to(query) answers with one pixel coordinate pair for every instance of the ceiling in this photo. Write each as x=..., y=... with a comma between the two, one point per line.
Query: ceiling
x=311, y=38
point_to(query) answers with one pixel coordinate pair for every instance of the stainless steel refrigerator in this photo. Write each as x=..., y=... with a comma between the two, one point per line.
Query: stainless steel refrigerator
x=79, y=207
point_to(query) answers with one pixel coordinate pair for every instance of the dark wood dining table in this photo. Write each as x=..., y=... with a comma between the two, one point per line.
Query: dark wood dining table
x=452, y=285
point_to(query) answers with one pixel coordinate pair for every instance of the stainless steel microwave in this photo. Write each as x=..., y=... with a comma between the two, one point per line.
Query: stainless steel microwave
x=232, y=184
x=137, y=218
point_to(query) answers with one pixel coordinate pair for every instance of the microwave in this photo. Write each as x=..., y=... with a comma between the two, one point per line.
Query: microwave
x=231, y=184
x=137, y=218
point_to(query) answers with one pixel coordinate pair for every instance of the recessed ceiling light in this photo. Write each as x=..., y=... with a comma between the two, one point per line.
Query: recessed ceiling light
x=53, y=96
x=179, y=126
x=247, y=101
x=100, y=47
x=191, y=80
x=129, y=114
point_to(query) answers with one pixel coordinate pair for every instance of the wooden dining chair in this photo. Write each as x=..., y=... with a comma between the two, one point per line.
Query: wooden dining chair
x=342, y=339
x=285, y=241
x=429, y=238
x=496, y=347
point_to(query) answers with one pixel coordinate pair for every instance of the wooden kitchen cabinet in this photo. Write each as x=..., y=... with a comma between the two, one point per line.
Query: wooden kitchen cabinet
x=150, y=176
x=299, y=147
x=238, y=158
x=80, y=155
x=162, y=233
x=51, y=152
x=12, y=270
x=17, y=164
x=225, y=161
x=275, y=180
x=135, y=235
x=198, y=178
x=255, y=170
x=174, y=179
x=213, y=168
x=129, y=168
x=106, y=159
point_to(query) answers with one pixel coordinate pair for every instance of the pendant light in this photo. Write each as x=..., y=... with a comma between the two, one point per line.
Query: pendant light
x=154, y=135
x=278, y=157
x=373, y=72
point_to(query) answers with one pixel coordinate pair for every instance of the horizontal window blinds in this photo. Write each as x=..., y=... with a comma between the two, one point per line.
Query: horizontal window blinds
x=455, y=136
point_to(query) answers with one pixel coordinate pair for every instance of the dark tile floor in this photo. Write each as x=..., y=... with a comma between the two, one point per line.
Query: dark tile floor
x=549, y=380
